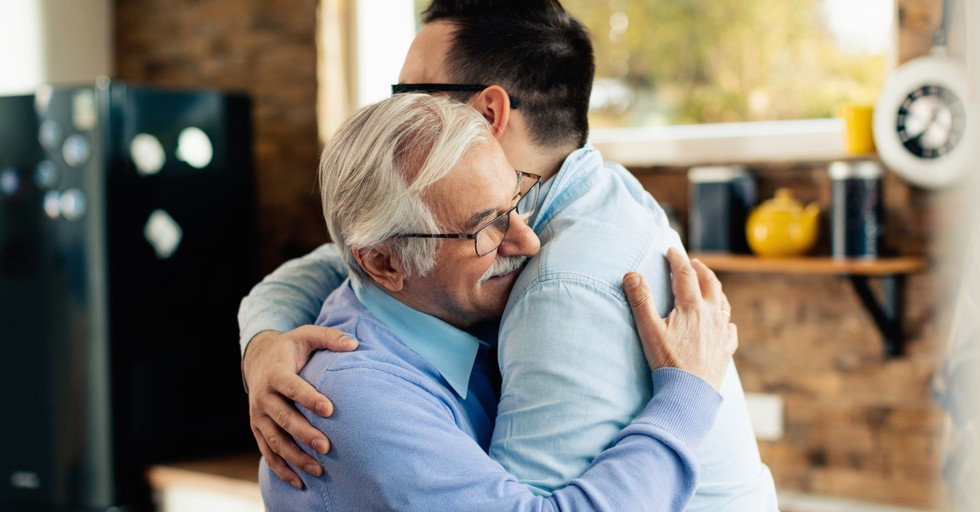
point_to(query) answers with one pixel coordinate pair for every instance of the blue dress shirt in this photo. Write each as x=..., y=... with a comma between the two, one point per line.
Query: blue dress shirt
x=451, y=351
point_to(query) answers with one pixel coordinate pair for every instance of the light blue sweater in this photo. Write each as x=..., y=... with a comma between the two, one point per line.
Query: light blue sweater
x=404, y=439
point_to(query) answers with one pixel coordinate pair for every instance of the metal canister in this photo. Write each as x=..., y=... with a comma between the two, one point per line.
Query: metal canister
x=720, y=200
x=857, y=213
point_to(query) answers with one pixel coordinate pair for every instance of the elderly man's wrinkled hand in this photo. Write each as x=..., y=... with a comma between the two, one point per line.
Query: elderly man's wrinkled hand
x=698, y=335
x=271, y=369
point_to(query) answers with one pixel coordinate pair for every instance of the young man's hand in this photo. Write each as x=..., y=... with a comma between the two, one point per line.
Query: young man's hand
x=271, y=366
x=697, y=335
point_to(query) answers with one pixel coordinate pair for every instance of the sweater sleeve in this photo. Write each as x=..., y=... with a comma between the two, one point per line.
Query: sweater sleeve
x=292, y=295
x=397, y=446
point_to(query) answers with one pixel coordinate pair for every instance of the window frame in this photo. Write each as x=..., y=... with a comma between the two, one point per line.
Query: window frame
x=748, y=142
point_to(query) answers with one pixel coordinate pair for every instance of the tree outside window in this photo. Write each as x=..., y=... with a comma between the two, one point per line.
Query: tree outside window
x=669, y=62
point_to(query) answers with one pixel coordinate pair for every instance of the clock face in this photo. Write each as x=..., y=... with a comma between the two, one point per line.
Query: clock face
x=930, y=121
x=923, y=126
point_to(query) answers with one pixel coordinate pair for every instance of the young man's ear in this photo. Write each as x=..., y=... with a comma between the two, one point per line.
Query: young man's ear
x=381, y=266
x=494, y=104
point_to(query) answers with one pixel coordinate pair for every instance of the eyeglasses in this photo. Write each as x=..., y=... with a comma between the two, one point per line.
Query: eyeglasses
x=487, y=238
x=430, y=88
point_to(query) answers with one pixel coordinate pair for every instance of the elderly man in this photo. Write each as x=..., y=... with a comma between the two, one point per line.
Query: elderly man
x=431, y=221
x=570, y=379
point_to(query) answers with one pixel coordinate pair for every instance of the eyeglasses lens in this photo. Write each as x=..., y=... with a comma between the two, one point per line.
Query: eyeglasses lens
x=528, y=201
x=491, y=236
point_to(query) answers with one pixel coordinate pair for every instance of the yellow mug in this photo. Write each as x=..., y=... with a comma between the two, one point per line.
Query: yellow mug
x=858, y=135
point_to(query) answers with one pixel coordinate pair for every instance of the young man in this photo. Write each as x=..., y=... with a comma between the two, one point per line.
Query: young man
x=430, y=218
x=569, y=378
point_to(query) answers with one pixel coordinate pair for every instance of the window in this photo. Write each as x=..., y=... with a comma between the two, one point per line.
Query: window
x=681, y=82
x=701, y=81
x=675, y=62
x=67, y=42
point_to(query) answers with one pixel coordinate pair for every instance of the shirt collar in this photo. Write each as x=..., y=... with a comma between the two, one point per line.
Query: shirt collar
x=450, y=350
x=577, y=171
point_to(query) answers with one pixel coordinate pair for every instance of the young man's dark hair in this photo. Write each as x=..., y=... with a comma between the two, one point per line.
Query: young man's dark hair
x=532, y=48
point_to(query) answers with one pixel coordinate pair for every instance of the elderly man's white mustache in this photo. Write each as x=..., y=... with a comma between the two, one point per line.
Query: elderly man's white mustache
x=503, y=265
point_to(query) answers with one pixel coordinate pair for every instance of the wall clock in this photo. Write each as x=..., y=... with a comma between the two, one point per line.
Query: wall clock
x=922, y=126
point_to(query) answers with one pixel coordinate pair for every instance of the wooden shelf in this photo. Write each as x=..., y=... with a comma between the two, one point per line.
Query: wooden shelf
x=887, y=312
x=813, y=265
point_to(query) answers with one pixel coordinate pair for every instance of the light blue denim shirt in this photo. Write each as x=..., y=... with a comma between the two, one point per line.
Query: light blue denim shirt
x=573, y=370
x=572, y=366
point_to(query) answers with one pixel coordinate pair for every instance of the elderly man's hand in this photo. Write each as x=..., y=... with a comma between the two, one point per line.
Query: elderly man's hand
x=697, y=335
x=271, y=366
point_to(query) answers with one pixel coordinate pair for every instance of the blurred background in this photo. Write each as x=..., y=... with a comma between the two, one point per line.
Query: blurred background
x=158, y=157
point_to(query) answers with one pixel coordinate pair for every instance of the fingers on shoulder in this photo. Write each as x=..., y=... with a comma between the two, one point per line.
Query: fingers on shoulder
x=637, y=289
x=329, y=338
x=710, y=285
x=686, y=284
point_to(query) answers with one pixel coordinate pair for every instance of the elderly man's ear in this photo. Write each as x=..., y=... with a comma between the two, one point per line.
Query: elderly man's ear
x=385, y=269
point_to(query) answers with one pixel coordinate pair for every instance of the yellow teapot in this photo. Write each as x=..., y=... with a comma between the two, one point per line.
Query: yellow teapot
x=782, y=226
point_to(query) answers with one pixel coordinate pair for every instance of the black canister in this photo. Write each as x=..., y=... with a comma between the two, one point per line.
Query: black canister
x=857, y=215
x=720, y=200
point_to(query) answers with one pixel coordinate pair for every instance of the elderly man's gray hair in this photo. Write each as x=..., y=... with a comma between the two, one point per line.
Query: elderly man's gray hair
x=376, y=169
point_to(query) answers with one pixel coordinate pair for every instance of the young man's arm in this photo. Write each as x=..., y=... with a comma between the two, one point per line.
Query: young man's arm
x=292, y=295
x=277, y=339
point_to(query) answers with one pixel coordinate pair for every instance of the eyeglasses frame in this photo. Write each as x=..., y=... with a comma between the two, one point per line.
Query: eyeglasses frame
x=473, y=236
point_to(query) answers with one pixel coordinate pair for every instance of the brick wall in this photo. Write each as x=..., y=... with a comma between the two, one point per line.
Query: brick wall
x=264, y=48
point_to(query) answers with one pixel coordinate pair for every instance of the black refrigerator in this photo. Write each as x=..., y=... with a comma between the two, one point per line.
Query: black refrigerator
x=127, y=240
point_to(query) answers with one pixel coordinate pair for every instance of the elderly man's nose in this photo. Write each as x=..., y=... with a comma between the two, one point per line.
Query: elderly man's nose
x=520, y=239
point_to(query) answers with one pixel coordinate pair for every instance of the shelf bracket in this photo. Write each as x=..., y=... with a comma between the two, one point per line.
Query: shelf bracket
x=887, y=313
